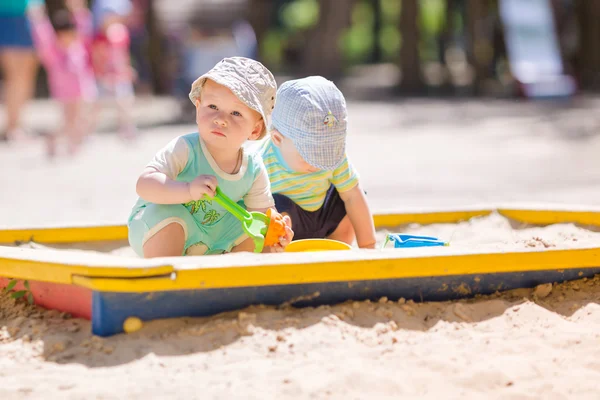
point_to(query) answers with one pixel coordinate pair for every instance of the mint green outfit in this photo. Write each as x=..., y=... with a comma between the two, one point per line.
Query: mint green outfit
x=204, y=221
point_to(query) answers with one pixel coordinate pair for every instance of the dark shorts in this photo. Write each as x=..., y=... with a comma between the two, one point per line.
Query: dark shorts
x=14, y=32
x=313, y=224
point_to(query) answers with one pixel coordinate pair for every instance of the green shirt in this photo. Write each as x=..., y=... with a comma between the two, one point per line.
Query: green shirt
x=13, y=7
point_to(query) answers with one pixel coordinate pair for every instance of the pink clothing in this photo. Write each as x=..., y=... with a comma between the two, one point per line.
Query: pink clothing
x=111, y=58
x=70, y=74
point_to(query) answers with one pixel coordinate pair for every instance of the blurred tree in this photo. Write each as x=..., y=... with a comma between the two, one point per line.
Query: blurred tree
x=359, y=40
x=322, y=55
x=446, y=36
x=410, y=61
x=389, y=35
x=261, y=14
x=588, y=58
x=479, y=48
x=156, y=51
x=563, y=23
x=376, y=51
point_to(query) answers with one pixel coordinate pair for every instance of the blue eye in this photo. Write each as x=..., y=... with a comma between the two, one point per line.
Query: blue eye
x=212, y=106
x=236, y=113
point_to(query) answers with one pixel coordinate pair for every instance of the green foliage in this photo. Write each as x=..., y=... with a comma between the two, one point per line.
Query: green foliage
x=356, y=43
x=19, y=293
x=272, y=47
x=390, y=42
x=391, y=11
x=300, y=14
x=432, y=14
x=11, y=285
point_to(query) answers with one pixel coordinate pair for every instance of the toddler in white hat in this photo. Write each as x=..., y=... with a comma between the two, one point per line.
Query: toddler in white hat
x=172, y=216
x=311, y=178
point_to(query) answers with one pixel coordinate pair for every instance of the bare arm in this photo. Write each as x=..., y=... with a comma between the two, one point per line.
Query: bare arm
x=43, y=33
x=157, y=187
x=360, y=217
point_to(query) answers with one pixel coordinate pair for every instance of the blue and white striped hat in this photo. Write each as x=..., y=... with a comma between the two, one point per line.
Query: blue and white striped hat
x=312, y=113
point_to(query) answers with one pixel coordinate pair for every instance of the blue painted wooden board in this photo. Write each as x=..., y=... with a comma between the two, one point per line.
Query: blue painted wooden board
x=110, y=309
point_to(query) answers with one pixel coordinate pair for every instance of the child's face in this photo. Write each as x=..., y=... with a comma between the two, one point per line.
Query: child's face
x=290, y=154
x=224, y=121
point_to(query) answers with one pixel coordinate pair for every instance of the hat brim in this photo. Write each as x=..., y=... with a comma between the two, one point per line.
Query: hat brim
x=323, y=155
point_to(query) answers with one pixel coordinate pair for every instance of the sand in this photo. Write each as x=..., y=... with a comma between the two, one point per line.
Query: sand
x=491, y=233
x=522, y=344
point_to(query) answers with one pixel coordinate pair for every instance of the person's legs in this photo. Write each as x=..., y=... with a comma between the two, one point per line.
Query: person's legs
x=344, y=232
x=167, y=242
x=19, y=66
x=246, y=245
x=228, y=236
x=127, y=128
x=125, y=101
x=73, y=129
x=94, y=110
x=163, y=230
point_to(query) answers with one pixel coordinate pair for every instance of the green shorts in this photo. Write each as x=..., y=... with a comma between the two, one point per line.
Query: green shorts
x=199, y=239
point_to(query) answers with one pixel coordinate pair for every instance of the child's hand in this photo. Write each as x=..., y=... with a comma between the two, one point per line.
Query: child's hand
x=202, y=185
x=286, y=238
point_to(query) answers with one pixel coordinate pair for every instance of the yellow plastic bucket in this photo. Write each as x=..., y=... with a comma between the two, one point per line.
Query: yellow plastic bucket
x=304, y=245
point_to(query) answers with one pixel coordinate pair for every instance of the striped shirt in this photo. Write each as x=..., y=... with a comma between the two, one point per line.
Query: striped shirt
x=308, y=190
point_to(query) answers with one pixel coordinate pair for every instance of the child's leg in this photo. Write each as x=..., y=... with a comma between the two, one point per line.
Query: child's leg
x=246, y=245
x=66, y=130
x=344, y=232
x=227, y=235
x=92, y=118
x=72, y=126
x=167, y=242
x=163, y=230
x=127, y=128
x=125, y=100
x=19, y=67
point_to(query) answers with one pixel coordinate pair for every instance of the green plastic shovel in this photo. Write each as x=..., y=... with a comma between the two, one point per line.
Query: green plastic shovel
x=255, y=224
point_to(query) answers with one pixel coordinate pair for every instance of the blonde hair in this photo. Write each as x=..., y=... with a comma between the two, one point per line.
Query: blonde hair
x=196, y=90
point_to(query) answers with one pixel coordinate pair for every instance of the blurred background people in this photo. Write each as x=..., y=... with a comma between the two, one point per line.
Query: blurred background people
x=63, y=51
x=18, y=63
x=110, y=53
x=371, y=48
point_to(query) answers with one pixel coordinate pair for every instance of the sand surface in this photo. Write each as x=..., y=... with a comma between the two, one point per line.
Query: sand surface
x=491, y=233
x=411, y=155
x=522, y=344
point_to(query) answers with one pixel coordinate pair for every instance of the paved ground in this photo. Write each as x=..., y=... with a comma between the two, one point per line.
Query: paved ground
x=410, y=154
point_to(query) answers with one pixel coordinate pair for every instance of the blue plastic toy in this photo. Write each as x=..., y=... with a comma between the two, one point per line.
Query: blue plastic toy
x=401, y=240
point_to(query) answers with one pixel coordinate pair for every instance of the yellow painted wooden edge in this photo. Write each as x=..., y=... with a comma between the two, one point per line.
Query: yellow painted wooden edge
x=549, y=217
x=80, y=234
x=54, y=272
x=137, y=278
x=67, y=234
x=390, y=220
x=357, y=270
